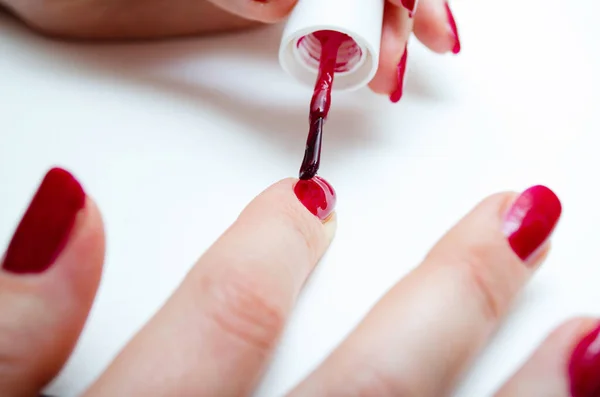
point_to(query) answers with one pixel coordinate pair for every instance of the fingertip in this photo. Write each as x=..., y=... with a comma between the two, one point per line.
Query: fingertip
x=524, y=222
x=394, y=37
x=530, y=221
x=283, y=208
x=546, y=372
x=50, y=276
x=317, y=195
x=435, y=27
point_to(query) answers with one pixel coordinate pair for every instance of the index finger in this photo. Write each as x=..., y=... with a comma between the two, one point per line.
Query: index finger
x=220, y=327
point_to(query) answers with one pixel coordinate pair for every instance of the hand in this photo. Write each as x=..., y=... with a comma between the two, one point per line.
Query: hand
x=433, y=23
x=215, y=335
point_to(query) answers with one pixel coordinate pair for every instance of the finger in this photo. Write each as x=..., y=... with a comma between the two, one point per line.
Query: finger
x=397, y=26
x=127, y=19
x=267, y=11
x=567, y=364
x=417, y=340
x=435, y=26
x=219, y=328
x=48, y=281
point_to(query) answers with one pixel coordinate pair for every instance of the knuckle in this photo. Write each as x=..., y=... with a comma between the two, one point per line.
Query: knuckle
x=384, y=384
x=476, y=264
x=247, y=309
x=12, y=357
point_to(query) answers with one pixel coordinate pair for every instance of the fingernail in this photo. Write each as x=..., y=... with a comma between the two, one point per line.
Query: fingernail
x=584, y=366
x=531, y=220
x=45, y=227
x=317, y=195
x=397, y=95
x=410, y=5
x=453, y=30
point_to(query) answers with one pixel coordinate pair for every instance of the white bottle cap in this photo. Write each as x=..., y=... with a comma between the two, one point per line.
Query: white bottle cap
x=299, y=51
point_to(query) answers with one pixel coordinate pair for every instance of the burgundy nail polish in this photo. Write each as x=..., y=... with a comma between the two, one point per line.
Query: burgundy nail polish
x=531, y=220
x=317, y=195
x=45, y=227
x=453, y=29
x=410, y=5
x=397, y=95
x=584, y=366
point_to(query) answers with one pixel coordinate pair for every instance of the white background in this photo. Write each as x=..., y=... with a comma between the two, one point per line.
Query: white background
x=173, y=139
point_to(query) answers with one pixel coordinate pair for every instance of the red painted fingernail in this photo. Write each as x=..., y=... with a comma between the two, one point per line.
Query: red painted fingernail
x=401, y=70
x=531, y=220
x=45, y=227
x=584, y=366
x=453, y=30
x=410, y=5
x=317, y=195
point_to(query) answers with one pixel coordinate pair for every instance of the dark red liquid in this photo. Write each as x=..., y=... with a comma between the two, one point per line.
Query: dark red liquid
x=330, y=42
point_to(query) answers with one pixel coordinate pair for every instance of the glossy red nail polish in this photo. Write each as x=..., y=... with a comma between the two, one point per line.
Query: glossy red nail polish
x=397, y=95
x=584, y=366
x=317, y=195
x=45, y=227
x=453, y=29
x=531, y=220
x=410, y=5
x=331, y=42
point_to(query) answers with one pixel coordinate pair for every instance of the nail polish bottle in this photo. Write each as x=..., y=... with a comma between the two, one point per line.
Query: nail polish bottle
x=361, y=20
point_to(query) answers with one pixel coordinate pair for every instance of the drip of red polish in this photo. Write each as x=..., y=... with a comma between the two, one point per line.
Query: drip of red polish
x=454, y=30
x=317, y=196
x=397, y=95
x=531, y=220
x=44, y=230
x=321, y=100
x=584, y=366
x=410, y=5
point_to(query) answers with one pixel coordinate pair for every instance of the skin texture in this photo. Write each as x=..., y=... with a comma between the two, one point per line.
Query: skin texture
x=163, y=19
x=468, y=279
x=46, y=314
x=220, y=327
